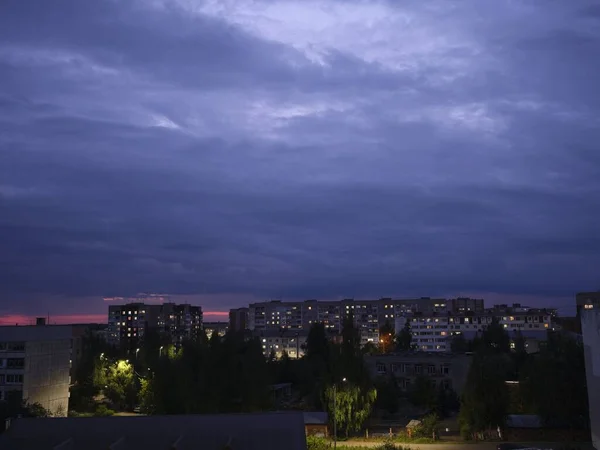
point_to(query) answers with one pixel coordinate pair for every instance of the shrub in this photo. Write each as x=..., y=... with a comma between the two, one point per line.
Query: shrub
x=103, y=411
x=317, y=443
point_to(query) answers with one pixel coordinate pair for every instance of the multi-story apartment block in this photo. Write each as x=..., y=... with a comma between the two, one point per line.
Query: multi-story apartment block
x=34, y=365
x=443, y=369
x=590, y=326
x=369, y=315
x=128, y=323
x=433, y=332
x=238, y=319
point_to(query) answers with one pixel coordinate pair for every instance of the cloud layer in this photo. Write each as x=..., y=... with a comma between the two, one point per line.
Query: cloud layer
x=297, y=148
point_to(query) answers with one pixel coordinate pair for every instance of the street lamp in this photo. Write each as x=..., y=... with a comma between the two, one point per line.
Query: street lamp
x=334, y=411
x=136, y=353
x=160, y=351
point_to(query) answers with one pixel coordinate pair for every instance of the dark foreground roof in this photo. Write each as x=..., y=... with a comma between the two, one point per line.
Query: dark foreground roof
x=274, y=431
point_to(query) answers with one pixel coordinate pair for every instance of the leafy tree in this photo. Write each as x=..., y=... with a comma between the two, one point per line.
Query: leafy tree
x=422, y=392
x=388, y=394
x=553, y=383
x=485, y=401
x=446, y=402
x=121, y=388
x=387, y=337
x=495, y=339
x=353, y=405
x=429, y=427
x=458, y=344
x=371, y=349
x=404, y=338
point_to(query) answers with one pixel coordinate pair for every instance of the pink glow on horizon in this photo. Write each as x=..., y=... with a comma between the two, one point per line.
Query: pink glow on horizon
x=65, y=319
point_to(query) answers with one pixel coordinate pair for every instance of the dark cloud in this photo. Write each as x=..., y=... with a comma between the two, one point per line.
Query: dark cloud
x=262, y=149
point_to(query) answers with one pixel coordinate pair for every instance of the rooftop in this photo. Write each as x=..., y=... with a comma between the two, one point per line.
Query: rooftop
x=241, y=431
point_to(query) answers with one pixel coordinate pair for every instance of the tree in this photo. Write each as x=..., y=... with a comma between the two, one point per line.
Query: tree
x=387, y=337
x=388, y=394
x=553, y=383
x=423, y=392
x=429, y=427
x=404, y=338
x=458, y=344
x=120, y=388
x=495, y=339
x=351, y=363
x=353, y=405
x=485, y=401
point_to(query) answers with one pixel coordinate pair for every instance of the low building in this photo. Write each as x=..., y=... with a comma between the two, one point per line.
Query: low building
x=590, y=327
x=316, y=424
x=443, y=369
x=35, y=362
x=266, y=431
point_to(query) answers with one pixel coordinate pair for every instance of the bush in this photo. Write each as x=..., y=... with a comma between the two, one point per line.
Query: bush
x=317, y=443
x=103, y=411
x=389, y=445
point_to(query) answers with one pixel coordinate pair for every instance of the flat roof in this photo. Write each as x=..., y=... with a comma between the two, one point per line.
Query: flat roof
x=276, y=431
x=35, y=333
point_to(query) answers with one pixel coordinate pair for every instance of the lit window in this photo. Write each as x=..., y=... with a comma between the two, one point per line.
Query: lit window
x=310, y=307
x=588, y=306
x=545, y=325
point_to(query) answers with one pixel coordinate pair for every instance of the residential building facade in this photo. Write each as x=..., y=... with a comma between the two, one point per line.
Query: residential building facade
x=590, y=326
x=35, y=362
x=238, y=319
x=278, y=342
x=128, y=323
x=369, y=315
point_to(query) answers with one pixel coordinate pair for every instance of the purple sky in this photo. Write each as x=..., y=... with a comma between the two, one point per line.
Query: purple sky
x=238, y=150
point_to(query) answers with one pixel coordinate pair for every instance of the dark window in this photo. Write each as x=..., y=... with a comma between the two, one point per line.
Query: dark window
x=16, y=346
x=15, y=363
x=13, y=378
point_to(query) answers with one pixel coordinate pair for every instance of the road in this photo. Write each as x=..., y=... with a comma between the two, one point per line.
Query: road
x=470, y=446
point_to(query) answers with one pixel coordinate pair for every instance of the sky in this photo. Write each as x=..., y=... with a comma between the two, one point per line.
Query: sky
x=231, y=151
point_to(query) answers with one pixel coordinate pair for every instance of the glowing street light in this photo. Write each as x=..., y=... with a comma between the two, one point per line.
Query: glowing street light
x=160, y=351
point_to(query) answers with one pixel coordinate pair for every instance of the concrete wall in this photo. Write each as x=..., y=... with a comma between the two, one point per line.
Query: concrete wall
x=46, y=380
x=590, y=326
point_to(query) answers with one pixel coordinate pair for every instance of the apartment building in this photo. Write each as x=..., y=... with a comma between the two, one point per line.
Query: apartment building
x=238, y=319
x=590, y=326
x=369, y=315
x=443, y=369
x=35, y=362
x=433, y=333
x=283, y=341
x=128, y=323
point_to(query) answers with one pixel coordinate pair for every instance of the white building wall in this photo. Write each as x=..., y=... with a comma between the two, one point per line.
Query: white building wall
x=590, y=327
